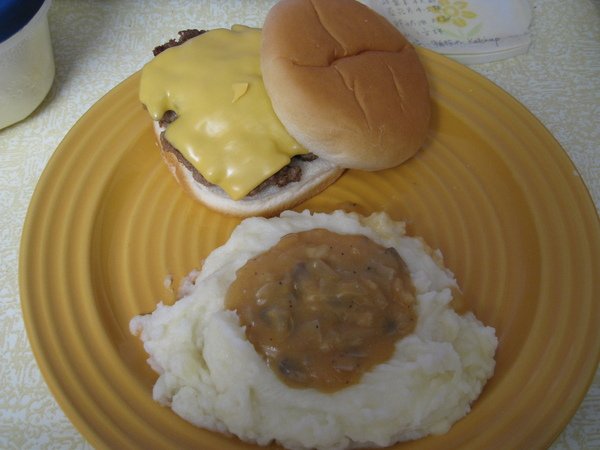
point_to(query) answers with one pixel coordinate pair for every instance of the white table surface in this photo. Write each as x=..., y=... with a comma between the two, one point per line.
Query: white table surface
x=97, y=44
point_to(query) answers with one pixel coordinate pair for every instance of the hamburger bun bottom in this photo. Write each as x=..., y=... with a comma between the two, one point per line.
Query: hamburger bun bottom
x=316, y=176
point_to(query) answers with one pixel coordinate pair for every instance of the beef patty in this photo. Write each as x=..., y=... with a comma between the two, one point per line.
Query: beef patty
x=288, y=174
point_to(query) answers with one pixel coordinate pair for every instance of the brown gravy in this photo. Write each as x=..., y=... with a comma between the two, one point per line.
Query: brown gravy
x=323, y=308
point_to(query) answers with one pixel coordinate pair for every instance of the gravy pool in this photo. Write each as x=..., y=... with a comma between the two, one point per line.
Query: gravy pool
x=323, y=308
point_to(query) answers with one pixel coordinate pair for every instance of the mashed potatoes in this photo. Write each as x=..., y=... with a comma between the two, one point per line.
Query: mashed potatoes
x=210, y=375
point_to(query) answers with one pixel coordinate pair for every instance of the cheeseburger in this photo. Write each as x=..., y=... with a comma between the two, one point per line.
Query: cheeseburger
x=252, y=121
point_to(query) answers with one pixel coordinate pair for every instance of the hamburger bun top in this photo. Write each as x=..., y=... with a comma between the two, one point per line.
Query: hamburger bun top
x=345, y=83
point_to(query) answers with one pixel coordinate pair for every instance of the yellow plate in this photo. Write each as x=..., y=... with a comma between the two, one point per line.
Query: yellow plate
x=492, y=189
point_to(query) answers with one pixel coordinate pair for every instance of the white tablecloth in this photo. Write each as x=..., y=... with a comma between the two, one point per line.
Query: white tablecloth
x=97, y=44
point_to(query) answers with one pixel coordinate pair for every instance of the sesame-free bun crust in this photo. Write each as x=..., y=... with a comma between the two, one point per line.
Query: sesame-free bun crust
x=345, y=82
x=316, y=176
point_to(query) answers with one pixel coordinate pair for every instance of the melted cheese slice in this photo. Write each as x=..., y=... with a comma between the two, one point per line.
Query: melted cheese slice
x=226, y=126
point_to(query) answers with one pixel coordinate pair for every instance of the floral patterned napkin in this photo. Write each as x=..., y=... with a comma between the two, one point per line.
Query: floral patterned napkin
x=472, y=32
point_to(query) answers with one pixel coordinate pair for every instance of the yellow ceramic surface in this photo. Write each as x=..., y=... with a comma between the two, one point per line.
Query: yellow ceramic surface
x=492, y=189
